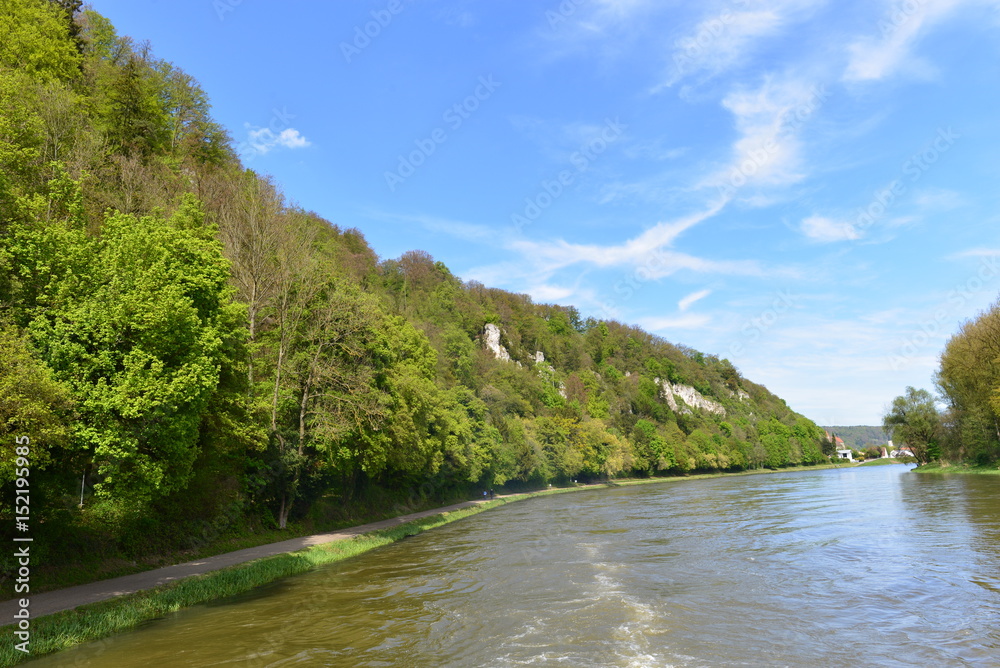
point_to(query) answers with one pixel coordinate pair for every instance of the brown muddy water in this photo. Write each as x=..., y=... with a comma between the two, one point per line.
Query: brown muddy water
x=871, y=566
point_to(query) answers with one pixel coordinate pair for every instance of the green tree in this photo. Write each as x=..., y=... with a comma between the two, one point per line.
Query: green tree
x=969, y=380
x=22, y=139
x=139, y=337
x=37, y=40
x=914, y=419
x=32, y=404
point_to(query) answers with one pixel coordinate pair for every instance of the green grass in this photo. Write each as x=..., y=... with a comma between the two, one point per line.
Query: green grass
x=88, y=623
x=986, y=469
x=82, y=566
x=884, y=462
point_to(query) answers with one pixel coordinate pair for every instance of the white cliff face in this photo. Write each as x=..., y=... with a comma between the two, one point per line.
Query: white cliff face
x=491, y=337
x=668, y=395
x=539, y=357
x=692, y=398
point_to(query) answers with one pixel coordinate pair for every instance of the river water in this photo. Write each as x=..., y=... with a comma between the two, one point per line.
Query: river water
x=870, y=566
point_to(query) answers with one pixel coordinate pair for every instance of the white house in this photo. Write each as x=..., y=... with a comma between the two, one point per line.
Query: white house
x=845, y=454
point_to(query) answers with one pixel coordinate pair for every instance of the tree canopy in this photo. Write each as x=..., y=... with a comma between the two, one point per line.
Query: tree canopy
x=913, y=419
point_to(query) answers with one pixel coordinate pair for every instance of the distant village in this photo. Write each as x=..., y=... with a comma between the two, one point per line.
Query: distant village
x=886, y=451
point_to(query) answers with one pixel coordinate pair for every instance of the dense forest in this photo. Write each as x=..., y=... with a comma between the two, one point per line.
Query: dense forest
x=962, y=423
x=185, y=349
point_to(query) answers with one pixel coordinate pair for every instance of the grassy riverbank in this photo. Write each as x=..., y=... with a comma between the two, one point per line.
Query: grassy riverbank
x=987, y=469
x=888, y=461
x=97, y=557
x=88, y=623
x=61, y=631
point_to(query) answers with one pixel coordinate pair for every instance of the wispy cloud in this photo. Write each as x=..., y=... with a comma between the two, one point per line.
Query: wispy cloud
x=900, y=27
x=560, y=253
x=975, y=252
x=603, y=27
x=686, y=303
x=723, y=37
x=937, y=199
x=825, y=230
x=769, y=120
x=612, y=13
x=834, y=367
x=546, y=292
x=458, y=229
x=685, y=321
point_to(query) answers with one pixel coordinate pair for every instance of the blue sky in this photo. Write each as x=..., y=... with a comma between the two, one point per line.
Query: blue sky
x=808, y=188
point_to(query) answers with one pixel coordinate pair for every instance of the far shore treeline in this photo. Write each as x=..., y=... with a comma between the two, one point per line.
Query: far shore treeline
x=192, y=357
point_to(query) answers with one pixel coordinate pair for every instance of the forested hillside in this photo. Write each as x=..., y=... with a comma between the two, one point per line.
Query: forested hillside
x=184, y=349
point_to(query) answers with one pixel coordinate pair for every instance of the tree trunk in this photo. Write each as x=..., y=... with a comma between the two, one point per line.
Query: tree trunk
x=283, y=512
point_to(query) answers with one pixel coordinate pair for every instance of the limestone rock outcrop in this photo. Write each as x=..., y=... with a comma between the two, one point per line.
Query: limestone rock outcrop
x=491, y=338
x=691, y=397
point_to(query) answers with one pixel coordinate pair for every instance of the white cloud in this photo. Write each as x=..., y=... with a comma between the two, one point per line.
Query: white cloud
x=262, y=140
x=686, y=321
x=605, y=13
x=686, y=303
x=455, y=228
x=975, y=252
x=560, y=254
x=769, y=120
x=602, y=27
x=546, y=293
x=834, y=370
x=938, y=199
x=657, y=150
x=723, y=38
x=825, y=230
x=900, y=27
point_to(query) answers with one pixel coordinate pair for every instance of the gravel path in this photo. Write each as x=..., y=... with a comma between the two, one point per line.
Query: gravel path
x=71, y=597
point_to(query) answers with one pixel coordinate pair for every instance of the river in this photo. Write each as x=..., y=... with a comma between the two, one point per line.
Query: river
x=869, y=566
